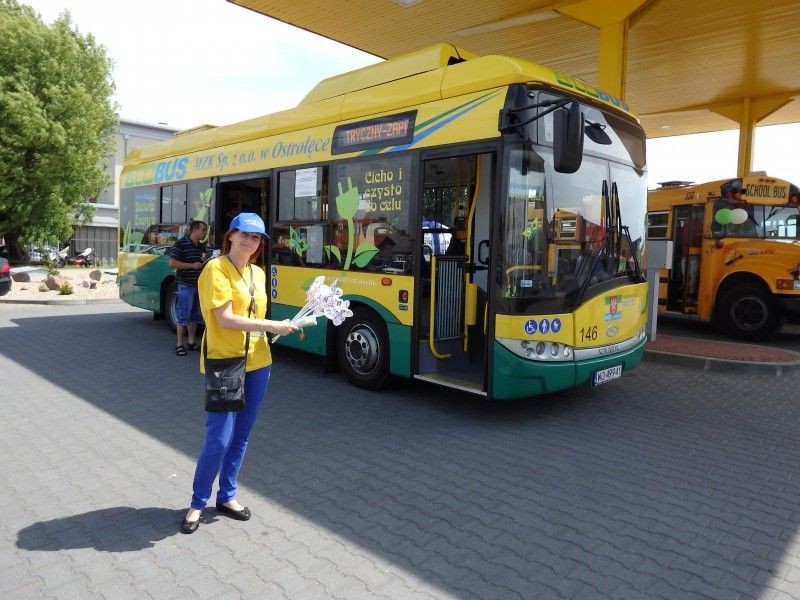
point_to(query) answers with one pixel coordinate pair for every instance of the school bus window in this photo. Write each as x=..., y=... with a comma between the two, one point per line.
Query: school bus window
x=657, y=225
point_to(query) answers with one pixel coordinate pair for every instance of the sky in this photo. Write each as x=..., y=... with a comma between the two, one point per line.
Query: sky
x=185, y=63
x=190, y=62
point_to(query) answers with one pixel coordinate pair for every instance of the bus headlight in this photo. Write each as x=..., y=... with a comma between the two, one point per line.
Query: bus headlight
x=538, y=351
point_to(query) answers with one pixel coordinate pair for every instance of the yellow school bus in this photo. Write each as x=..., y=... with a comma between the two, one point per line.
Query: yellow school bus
x=736, y=252
x=484, y=216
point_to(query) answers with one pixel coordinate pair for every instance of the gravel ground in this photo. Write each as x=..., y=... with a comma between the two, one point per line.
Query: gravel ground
x=106, y=288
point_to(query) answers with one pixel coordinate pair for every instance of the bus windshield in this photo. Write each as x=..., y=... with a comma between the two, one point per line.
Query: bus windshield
x=568, y=237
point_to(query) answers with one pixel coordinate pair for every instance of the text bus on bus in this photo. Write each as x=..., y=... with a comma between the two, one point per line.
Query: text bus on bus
x=485, y=216
x=736, y=246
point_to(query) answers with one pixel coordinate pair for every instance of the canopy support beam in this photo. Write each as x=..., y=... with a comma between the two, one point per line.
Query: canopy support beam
x=611, y=18
x=747, y=112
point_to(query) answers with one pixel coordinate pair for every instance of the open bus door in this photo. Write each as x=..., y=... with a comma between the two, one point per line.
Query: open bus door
x=451, y=331
x=236, y=195
x=684, y=279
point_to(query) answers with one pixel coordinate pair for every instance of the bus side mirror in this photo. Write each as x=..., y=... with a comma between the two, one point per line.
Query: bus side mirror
x=568, y=139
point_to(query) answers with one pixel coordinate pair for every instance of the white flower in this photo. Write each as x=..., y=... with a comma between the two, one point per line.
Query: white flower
x=322, y=300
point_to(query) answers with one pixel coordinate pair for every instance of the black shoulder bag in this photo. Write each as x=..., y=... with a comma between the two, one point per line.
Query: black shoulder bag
x=225, y=376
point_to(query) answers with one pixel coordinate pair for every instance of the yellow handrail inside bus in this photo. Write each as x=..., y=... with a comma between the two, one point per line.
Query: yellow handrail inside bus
x=431, y=324
x=471, y=307
x=510, y=270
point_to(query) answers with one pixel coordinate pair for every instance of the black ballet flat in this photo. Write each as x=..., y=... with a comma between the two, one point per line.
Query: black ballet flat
x=239, y=515
x=190, y=526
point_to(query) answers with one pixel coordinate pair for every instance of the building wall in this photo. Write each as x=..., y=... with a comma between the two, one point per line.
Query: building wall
x=101, y=234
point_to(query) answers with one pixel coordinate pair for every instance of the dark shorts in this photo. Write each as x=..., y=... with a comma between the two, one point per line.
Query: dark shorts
x=187, y=309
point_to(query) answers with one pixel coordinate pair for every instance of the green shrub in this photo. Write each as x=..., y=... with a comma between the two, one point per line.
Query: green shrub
x=66, y=289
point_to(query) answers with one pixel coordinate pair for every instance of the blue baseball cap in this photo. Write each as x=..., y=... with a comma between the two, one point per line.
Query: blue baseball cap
x=249, y=223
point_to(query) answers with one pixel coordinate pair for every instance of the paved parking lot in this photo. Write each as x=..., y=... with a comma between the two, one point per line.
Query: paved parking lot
x=672, y=483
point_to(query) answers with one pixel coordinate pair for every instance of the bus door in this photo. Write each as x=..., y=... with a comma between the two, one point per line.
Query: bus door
x=236, y=195
x=452, y=302
x=684, y=279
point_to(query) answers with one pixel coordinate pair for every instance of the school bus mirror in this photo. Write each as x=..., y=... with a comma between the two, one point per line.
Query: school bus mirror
x=659, y=254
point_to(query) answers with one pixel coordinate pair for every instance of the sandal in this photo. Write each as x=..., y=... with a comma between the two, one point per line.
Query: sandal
x=180, y=351
x=194, y=347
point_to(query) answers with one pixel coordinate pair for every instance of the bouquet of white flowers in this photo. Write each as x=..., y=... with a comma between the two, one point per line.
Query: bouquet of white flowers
x=322, y=301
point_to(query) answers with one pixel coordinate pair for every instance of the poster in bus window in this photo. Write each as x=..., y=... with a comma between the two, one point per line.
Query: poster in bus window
x=139, y=216
x=371, y=215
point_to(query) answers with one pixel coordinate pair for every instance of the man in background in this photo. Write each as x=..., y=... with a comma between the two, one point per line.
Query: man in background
x=186, y=257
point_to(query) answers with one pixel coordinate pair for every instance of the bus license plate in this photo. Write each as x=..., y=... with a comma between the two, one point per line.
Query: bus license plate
x=606, y=375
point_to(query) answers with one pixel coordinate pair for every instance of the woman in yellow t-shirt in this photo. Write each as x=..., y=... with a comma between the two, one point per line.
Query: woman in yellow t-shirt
x=224, y=289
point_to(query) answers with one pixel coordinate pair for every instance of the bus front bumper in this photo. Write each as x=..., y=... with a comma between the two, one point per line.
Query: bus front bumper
x=517, y=377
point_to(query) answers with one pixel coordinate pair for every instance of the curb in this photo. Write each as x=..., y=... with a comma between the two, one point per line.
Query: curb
x=65, y=302
x=706, y=363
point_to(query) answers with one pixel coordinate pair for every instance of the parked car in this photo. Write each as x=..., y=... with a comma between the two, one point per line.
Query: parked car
x=5, y=277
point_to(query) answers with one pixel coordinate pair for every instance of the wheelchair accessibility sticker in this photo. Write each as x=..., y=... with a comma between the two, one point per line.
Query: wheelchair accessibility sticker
x=530, y=326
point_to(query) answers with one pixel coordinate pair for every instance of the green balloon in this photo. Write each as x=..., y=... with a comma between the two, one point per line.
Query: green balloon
x=723, y=216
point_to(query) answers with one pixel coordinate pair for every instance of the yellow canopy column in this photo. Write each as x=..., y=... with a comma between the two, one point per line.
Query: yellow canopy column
x=747, y=112
x=611, y=18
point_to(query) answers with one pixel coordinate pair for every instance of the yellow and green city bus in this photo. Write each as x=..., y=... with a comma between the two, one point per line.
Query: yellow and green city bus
x=736, y=252
x=485, y=217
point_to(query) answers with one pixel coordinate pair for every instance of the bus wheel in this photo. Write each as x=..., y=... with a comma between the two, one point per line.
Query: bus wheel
x=171, y=305
x=748, y=312
x=362, y=346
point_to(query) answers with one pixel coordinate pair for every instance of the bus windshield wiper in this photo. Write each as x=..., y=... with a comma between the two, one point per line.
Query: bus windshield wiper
x=636, y=276
x=611, y=252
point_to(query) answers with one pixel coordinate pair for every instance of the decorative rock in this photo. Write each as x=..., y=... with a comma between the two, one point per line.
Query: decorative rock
x=85, y=284
x=96, y=275
x=54, y=282
x=21, y=277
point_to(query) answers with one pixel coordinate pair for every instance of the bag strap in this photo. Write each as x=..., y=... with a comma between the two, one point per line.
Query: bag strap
x=250, y=310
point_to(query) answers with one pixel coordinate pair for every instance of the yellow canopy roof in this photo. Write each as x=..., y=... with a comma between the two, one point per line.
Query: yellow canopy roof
x=689, y=66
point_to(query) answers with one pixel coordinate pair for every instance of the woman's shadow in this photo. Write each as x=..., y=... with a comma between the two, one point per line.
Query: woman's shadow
x=116, y=529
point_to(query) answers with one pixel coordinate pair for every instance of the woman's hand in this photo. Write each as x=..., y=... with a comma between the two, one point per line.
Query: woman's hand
x=284, y=327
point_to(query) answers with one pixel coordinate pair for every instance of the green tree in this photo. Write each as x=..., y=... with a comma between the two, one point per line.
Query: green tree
x=57, y=124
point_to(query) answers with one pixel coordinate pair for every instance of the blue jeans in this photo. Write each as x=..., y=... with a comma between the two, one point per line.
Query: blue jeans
x=187, y=308
x=226, y=441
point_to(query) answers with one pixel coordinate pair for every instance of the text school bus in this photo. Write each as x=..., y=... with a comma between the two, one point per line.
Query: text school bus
x=736, y=247
x=485, y=216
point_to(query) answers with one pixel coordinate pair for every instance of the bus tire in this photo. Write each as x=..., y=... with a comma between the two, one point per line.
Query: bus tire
x=748, y=312
x=362, y=346
x=170, y=304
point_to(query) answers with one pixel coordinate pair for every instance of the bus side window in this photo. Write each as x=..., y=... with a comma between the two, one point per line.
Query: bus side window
x=791, y=227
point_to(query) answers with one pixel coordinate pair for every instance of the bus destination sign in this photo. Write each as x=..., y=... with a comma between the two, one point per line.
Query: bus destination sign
x=374, y=133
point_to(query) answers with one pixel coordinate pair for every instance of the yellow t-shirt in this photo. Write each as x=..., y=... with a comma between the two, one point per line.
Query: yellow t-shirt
x=219, y=283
